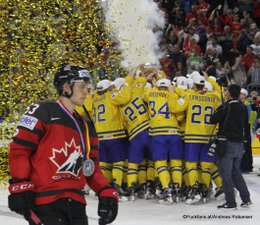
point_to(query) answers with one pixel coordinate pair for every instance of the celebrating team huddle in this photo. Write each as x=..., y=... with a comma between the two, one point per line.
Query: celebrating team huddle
x=155, y=136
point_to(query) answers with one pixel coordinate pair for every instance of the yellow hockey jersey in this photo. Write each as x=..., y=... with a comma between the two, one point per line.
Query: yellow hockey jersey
x=88, y=104
x=199, y=109
x=135, y=112
x=107, y=114
x=162, y=107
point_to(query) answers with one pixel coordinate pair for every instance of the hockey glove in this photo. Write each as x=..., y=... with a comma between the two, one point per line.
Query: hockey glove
x=108, y=205
x=212, y=150
x=21, y=198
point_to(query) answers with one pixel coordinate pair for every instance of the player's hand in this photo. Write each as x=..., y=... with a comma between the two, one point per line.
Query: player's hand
x=108, y=205
x=21, y=198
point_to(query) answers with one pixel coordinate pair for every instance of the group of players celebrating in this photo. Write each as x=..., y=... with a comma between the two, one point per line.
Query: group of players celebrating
x=155, y=134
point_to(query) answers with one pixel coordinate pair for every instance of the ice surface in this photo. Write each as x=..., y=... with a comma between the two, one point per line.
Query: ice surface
x=149, y=212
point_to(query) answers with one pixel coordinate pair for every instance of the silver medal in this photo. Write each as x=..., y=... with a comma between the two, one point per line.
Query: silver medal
x=88, y=167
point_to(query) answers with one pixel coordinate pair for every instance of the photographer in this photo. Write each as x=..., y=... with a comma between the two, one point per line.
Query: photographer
x=232, y=119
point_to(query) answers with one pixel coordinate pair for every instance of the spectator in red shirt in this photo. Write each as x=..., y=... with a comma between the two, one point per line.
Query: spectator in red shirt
x=235, y=25
x=248, y=58
x=191, y=15
x=167, y=66
x=227, y=18
x=192, y=45
x=190, y=33
x=217, y=27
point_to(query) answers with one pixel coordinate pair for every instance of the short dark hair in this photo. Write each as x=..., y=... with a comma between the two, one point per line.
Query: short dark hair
x=234, y=90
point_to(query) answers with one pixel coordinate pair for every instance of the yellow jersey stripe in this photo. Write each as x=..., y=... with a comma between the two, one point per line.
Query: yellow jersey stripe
x=138, y=129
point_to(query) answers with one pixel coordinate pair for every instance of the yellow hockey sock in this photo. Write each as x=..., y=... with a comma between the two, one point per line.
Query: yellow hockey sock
x=150, y=172
x=164, y=175
x=176, y=171
x=106, y=169
x=117, y=172
x=132, y=174
x=215, y=176
x=206, y=172
x=142, y=172
x=185, y=176
x=199, y=173
x=192, y=172
x=156, y=175
x=125, y=168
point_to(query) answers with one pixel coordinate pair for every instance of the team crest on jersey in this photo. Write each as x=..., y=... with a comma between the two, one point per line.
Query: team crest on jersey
x=28, y=121
x=68, y=159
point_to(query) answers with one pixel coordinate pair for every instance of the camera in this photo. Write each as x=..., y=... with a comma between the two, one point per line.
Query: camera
x=222, y=81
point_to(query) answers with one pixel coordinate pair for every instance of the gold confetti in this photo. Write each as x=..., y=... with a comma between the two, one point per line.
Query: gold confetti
x=37, y=37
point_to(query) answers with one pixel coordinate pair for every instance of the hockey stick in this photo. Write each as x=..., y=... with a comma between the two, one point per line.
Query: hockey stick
x=35, y=218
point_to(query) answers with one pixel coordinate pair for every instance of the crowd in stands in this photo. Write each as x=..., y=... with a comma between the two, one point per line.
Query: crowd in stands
x=220, y=37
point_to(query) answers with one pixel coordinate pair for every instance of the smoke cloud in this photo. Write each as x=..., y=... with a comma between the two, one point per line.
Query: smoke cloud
x=137, y=26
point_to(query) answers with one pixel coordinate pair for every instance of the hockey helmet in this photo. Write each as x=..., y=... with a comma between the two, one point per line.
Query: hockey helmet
x=163, y=83
x=194, y=73
x=199, y=80
x=208, y=86
x=119, y=82
x=70, y=74
x=103, y=85
x=244, y=91
x=174, y=81
x=181, y=82
x=189, y=83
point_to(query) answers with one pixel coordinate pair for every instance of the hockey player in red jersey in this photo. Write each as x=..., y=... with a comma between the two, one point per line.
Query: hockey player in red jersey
x=54, y=154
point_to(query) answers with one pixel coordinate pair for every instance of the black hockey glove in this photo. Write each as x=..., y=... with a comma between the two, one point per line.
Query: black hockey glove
x=108, y=205
x=21, y=198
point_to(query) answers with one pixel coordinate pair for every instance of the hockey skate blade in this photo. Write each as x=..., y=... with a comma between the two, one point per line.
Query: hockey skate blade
x=220, y=197
x=165, y=201
x=149, y=196
x=131, y=198
x=191, y=201
x=205, y=200
x=176, y=199
x=123, y=199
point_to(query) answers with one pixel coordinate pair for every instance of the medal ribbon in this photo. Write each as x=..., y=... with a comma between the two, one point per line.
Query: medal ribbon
x=86, y=154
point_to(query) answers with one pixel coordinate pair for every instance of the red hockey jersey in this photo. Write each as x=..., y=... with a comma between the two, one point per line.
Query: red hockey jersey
x=47, y=150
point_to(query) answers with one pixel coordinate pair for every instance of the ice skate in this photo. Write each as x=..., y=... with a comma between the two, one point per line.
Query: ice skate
x=194, y=195
x=176, y=192
x=167, y=197
x=150, y=190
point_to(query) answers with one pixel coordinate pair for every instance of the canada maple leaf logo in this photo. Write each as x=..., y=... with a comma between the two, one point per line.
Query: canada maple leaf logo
x=68, y=159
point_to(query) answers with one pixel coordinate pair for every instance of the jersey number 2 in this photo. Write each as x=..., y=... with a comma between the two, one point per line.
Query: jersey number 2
x=198, y=110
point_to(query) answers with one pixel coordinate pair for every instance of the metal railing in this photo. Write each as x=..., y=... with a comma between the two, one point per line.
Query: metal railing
x=254, y=87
